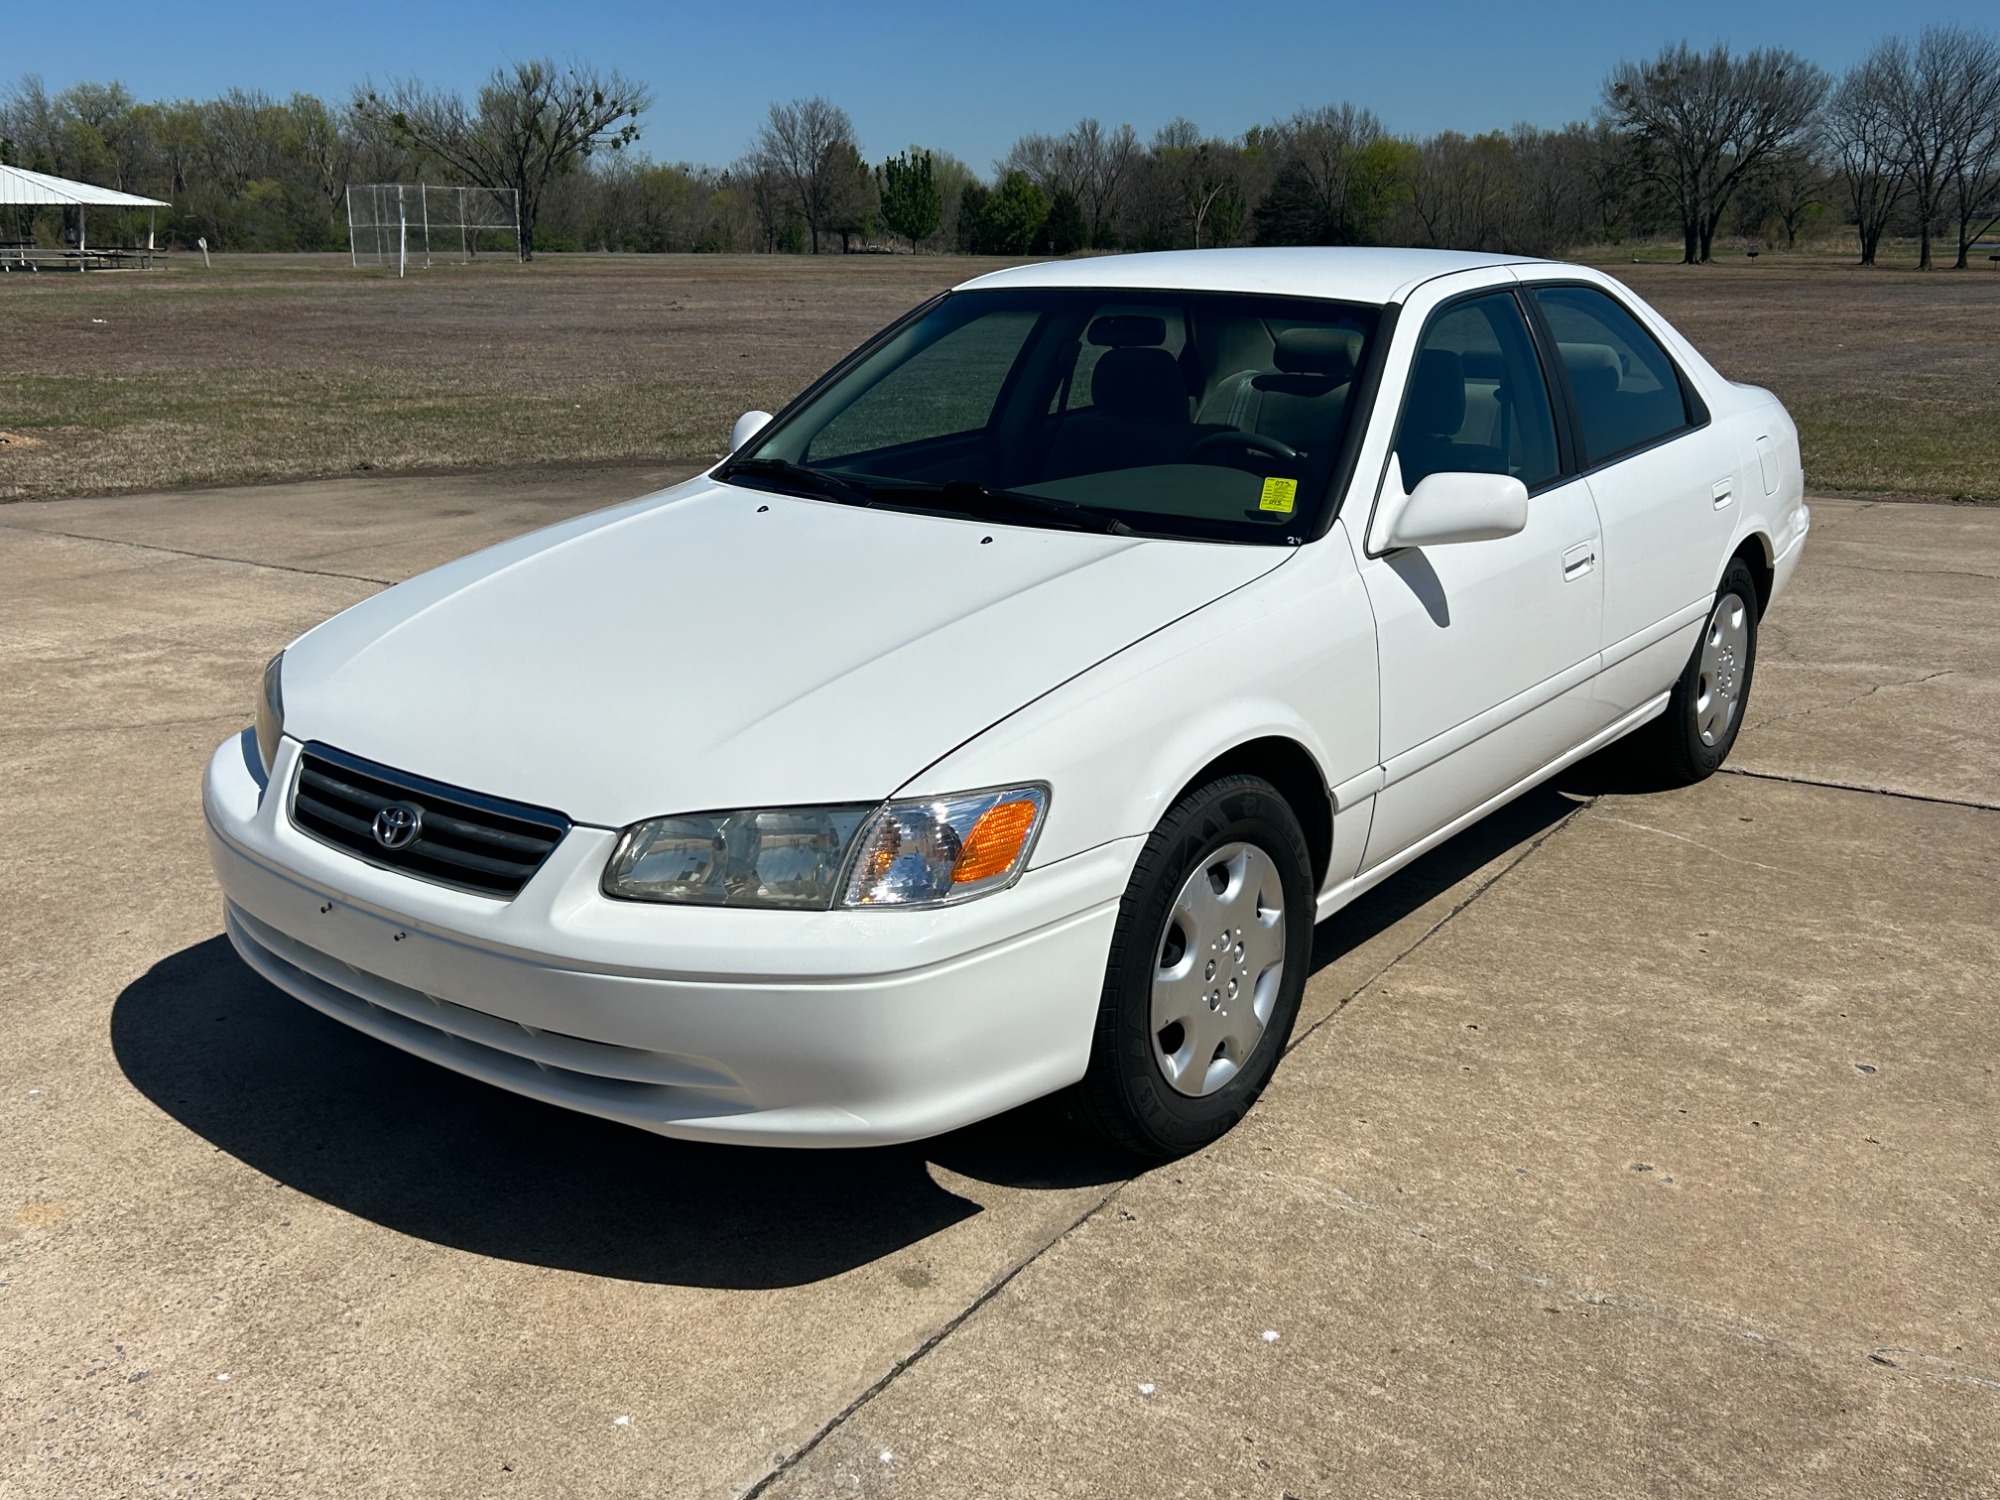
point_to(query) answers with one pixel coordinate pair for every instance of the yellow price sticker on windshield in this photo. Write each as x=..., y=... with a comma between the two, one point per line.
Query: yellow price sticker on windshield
x=1279, y=495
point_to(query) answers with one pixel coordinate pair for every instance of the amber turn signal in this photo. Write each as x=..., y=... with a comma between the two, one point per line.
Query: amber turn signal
x=995, y=841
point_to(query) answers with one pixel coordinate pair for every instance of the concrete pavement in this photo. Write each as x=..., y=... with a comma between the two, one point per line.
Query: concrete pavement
x=1631, y=1142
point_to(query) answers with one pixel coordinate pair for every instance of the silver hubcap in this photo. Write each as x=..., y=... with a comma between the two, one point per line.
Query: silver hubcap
x=1221, y=960
x=1725, y=653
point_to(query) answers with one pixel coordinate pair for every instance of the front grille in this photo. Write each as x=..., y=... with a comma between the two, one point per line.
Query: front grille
x=464, y=840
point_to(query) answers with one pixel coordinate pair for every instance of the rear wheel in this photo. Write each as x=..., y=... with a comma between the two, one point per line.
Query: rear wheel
x=1207, y=965
x=1689, y=742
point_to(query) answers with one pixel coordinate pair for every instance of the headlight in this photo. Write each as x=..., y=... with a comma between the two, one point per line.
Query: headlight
x=917, y=853
x=774, y=856
x=271, y=712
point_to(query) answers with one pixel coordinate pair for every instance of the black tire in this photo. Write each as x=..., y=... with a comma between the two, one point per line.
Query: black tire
x=1126, y=1096
x=1688, y=743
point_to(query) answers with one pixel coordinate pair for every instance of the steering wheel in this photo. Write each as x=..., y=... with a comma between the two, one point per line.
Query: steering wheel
x=1256, y=442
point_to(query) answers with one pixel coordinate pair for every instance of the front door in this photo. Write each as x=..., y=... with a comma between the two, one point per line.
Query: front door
x=1487, y=649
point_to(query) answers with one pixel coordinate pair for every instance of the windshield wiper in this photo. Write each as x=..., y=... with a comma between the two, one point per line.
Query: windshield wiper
x=800, y=476
x=964, y=494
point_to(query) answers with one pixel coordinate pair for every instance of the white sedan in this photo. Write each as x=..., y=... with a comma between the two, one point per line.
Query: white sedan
x=1000, y=717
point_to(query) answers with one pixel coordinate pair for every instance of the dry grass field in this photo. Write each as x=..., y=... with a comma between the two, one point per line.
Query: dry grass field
x=271, y=367
x=1893, y=374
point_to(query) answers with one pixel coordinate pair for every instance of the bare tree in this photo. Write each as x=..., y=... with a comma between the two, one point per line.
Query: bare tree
x=313, y=137
x=239, y=138
x=1203, y=180
x=1458, y=188
x=33, y=123
x=1861, y=129
x=770, y=199
x=1782, y=197
x=797, y=145
x=1976, y=192
x=1333, y=181
x=952, y=177
x=1939, y=97
x=1975, y=168
x=1092, y=164
x=1555, y=205
x=1337, y=173
x=1702, y=121
x=106, y=143
x=1103, y=165
x=1045, y=160
x=850, y=194
x=531, y=124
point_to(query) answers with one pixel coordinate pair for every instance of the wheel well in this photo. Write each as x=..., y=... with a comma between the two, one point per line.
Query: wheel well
x=1756, y=555
x=1289, y=767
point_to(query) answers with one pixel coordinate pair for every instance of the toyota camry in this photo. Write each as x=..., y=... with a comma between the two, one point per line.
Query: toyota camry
x=999, y=718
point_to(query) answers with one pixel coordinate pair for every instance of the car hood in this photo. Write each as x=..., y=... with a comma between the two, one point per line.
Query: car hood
x=713, y=646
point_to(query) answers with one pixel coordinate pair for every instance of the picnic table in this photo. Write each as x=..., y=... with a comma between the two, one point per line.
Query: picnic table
x=18, y=255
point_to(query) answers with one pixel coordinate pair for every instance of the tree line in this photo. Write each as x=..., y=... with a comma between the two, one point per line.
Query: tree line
x=1762, y=146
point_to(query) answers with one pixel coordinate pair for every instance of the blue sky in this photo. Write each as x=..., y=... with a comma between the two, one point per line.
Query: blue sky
x=967, y=79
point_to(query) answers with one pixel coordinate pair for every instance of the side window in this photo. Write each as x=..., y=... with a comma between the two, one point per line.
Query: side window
x=1477, y=401
x=1627, y=391
x=940, y=391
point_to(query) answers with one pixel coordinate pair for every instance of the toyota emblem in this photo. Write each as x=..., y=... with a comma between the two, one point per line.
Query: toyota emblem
x=397, y=825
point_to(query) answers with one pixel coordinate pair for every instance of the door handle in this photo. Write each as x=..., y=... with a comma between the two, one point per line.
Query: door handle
x=1723, y=492
x=1579, y=560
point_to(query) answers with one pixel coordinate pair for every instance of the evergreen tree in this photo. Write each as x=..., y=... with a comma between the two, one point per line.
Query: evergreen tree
x=1065, y=230
x=912, y=203
x=972, y=202
x=1013, y=217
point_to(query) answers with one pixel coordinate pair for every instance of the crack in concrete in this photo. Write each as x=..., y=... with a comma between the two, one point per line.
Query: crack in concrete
x=951, y=1325
x=1851, y=786
x=1774, y=647
x=798, y=1455
x=1913, y=572
x=1806, y=713
x=1298, y=1038
x=1705, y=848
x=242, y=562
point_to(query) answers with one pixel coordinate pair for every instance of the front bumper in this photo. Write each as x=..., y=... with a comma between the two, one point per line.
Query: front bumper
x=779, y=1028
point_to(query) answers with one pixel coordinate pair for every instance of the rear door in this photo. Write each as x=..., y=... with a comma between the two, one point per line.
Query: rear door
x=1487, y=649
x=1665, y=496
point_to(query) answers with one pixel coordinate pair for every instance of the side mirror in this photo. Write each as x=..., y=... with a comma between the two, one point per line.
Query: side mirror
x=747, y=427
x=1459, y=508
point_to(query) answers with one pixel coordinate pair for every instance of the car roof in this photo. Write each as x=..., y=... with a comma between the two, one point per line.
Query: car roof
x=1349, y=273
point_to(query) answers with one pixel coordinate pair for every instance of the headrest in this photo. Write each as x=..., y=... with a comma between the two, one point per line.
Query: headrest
x=1437, y=394
x=1317, y=351
x=1139, y=385
x=1592, y=368
x=1127, y=330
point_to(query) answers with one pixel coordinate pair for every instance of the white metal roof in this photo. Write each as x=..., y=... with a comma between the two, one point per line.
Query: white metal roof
x=21, y=188
x=1351, y=274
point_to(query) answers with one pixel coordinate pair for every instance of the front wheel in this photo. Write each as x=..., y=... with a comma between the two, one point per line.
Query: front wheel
x=1689, y=742
x=1207, y=965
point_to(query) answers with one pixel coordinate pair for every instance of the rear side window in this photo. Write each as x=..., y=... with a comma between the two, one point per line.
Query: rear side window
x=1627, y=392
x=1477, y=402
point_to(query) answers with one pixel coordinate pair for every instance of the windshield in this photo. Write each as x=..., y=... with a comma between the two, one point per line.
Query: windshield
x=1193, y=414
